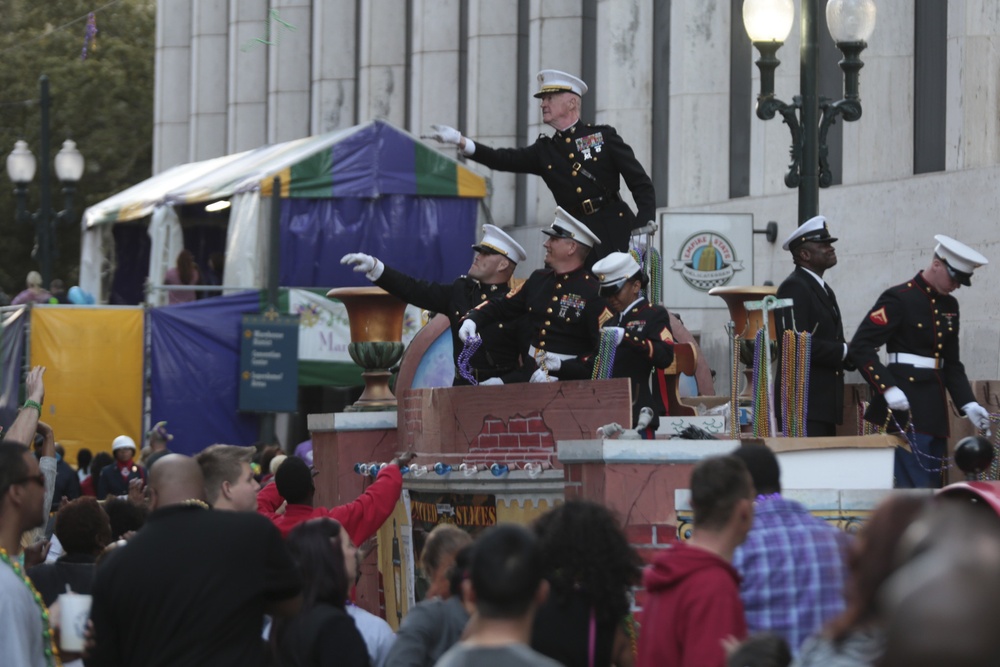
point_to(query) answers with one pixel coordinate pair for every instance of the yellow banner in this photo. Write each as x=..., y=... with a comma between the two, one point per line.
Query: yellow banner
x=93, y=378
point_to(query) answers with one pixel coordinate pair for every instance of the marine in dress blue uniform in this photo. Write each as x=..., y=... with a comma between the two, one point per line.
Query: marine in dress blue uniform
x=918, y=322
x=582, y=165
x=814, y=309
x=643, y=335
x=497, y=255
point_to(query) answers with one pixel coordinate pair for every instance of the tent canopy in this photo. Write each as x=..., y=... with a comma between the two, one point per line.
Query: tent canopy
x=365, y=161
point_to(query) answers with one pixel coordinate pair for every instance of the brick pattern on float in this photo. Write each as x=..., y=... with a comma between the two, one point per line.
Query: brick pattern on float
x=522, y=439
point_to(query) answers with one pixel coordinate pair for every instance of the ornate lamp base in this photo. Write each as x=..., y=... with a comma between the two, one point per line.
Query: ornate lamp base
x=376, y=358
x=376, y=319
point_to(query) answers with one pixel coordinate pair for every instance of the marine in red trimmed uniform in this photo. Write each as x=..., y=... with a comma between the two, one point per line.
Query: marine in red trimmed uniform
x=918, y=322
x=564, y=311
x=582, y=164
x=643, y=335
x=497, y=255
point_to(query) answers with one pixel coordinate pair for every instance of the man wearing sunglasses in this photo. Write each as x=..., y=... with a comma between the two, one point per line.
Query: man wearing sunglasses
x=497, y=255
x=26, y=485
x=917, y=321
x=560, y=302
x=814, y=309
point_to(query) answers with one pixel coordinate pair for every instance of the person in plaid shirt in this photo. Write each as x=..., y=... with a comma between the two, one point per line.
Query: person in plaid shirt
x=793, y=564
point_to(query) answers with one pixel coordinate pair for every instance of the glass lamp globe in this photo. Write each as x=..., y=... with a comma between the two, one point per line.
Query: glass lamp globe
x=768, y=20
x=21, y=163
x=850, y=20
x=69, y=163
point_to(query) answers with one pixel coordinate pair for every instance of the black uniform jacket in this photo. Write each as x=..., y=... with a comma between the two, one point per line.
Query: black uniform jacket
x=604, y=155
x=503, y=343
x=564, y=311
x=915, y=319
x=816, y=311
x=648, y=344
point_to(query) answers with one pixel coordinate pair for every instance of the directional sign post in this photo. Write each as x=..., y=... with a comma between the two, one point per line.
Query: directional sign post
x=269, y=363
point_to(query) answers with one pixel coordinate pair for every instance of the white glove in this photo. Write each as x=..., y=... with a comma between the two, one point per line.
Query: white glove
x=541, y=376
x=467, y=330
x=619, y=334
x=366, y=264
x=490, y=381
x=446, y=134
x=552, y=364
x=896, y=399
x=645, y=417
x=612, y=430
x=978, y=415
x=449, y=135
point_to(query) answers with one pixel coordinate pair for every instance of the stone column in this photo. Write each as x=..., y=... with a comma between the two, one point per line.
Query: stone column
x=382, y=62
x=625, y=74
x=209, y=37
x=699, y=108
x=172, y=95
x=247, y=102
x=289, y=76
x=334, y=68
x=554, y=43
x=492, y=96
x=434, y=84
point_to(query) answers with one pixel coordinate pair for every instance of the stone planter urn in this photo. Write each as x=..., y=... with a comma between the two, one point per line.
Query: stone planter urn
x=376, y=320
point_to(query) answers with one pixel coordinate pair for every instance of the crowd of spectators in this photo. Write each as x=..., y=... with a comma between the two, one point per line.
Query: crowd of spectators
x=195, y=562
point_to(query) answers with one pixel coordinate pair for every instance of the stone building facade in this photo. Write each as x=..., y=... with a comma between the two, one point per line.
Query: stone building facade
x=676, y=77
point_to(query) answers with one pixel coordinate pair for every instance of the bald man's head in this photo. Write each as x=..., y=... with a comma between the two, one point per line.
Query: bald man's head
x=174, y=479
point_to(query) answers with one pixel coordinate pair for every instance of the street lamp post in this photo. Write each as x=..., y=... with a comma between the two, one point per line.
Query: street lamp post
x=768, y=23
x=21, y=166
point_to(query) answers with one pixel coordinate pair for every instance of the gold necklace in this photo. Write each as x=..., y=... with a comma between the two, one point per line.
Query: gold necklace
x=194, y=502
x=48, y=636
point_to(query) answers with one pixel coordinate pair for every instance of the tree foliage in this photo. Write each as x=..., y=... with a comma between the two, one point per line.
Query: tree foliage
x=104, y=103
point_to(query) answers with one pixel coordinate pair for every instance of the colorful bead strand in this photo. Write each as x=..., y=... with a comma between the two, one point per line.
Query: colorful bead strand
x=604, y=363
x=761, y=400
x=48, y=635
x=472, y=344
x=734, y=391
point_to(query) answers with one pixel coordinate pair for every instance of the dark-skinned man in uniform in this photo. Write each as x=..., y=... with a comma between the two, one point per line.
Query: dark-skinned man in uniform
x=814, y=309
x=917, y=321
x=643, y=339
x=582, y=164
x=564, y=311
x=497, y=255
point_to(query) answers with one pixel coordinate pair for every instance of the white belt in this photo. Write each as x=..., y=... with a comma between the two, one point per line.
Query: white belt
x=915, y=360
x=533, y=351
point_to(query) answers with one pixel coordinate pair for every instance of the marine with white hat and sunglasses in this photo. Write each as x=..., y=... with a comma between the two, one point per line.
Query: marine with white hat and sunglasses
x=564, y=310
x=497, y=255
x=918, y=321
x=582, y=164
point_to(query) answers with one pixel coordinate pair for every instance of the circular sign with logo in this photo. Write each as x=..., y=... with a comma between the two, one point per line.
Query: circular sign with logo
x=707, y=260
